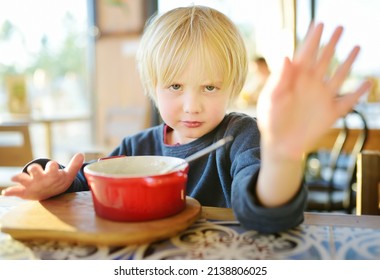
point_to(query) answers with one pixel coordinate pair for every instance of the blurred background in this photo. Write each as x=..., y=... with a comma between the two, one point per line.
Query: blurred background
x=67, y=67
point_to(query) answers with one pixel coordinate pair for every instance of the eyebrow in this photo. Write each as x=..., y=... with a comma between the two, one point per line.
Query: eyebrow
x=210, y=82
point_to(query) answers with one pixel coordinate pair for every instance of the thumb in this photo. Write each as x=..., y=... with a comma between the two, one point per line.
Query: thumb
x=74, y=165
x=279, y=81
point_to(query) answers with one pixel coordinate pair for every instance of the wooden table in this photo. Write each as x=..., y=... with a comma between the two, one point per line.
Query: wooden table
x=217, y=235
x=328, y=140
x=311, y=218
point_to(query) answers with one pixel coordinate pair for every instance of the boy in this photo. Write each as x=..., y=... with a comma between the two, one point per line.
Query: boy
x=193, y=63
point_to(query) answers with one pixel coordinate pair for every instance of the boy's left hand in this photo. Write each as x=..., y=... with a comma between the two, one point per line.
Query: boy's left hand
x=303, y=102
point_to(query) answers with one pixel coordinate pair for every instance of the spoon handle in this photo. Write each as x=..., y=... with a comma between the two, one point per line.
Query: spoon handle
x=201, y=153
x=209, y=149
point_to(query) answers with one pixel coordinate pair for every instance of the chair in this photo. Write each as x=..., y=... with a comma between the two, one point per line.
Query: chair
x=368, y=183
x=119, y=122
x=330, y=176
x=15, y=145
x=124, y=121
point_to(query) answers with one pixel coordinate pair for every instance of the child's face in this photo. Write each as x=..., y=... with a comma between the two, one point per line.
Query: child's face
x=194, y=104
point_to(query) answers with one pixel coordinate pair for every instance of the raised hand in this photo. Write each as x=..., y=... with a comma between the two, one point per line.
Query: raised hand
x=41, y=184
x=300, y=104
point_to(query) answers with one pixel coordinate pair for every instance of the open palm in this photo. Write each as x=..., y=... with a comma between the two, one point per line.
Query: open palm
x=299, y=105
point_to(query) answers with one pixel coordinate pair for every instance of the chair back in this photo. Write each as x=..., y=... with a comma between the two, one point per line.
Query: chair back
x=123, y=121
x=330, y=181
x=359, y=144
x=368, y=183
x=15, y=145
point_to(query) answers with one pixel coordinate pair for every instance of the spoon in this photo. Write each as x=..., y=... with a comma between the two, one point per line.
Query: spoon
x=199, y=154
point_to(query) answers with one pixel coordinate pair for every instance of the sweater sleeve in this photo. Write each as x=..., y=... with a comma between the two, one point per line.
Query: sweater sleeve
x=245, y=168
x=252, y=215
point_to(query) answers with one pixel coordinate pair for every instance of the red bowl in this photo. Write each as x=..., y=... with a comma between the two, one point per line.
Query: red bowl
x=132, y=189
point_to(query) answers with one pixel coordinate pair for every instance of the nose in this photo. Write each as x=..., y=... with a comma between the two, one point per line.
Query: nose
x=192, y=102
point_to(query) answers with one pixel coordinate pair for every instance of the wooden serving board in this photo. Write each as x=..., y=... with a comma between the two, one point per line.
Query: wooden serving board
x=71, y=217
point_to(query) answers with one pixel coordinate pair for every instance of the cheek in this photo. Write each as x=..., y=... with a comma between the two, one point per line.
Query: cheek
x=166, y=107
x=220, y=105
x=217, y=113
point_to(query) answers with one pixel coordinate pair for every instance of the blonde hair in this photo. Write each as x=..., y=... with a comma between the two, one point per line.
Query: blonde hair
x=172, y=39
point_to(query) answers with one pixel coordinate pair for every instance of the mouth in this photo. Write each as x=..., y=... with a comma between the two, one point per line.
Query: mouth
x=192, y=124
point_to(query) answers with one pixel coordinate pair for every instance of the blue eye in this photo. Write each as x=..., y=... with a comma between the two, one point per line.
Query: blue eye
x=210, y=88
x=175, y=87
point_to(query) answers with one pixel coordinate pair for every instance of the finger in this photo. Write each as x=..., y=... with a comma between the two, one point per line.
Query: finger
x=328, y=53
x=22, y=178
x=35, y=170
x=308, y=52
x=302, y=44
x=52, y=167
x=285, y=77
x=340, y=75
x=311, y=27
x=346, y=102
x=14, y=191
x=75, y=164
x=278, y=80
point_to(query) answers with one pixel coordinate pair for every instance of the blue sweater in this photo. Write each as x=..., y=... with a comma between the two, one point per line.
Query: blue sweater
x=225, y=178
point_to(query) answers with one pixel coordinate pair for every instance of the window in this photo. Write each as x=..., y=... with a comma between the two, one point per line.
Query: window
x=361, y=24
x=360, y=20
x=45, y=50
